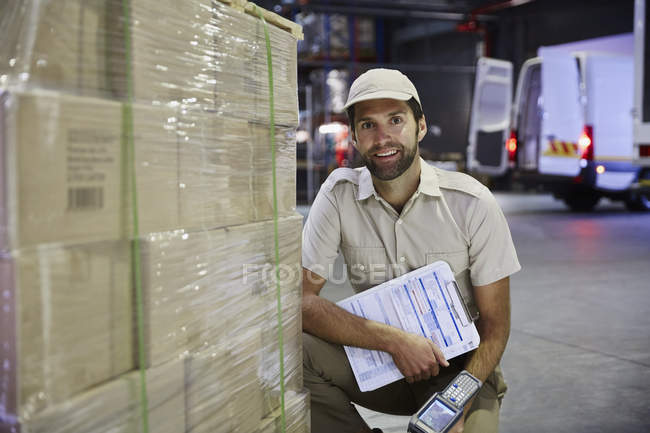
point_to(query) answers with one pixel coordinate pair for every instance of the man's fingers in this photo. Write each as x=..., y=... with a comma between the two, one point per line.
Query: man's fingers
x=409, y=379
x=440, y=357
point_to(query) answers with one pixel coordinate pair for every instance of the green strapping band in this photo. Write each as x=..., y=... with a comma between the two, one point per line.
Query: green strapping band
x=269, y=62
x=129, y=144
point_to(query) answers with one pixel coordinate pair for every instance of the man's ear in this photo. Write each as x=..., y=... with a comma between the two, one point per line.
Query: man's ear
x=353, y=138
x=422, y=128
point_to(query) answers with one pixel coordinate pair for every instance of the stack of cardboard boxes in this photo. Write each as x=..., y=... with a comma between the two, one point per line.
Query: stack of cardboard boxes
x=202, y=163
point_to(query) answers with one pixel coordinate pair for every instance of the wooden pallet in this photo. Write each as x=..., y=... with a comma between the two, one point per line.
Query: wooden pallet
x=271, y=17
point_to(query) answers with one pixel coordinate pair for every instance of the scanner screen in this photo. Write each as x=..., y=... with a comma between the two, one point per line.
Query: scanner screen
x=437, y=416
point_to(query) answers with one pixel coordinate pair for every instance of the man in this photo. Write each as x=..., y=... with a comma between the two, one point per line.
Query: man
x=394, y=215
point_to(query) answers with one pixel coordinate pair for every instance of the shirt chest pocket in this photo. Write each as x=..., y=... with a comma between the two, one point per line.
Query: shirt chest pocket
x=458, y=260
x=366, y=266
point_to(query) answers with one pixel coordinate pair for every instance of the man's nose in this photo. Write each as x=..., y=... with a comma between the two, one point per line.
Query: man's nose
x=381, y=134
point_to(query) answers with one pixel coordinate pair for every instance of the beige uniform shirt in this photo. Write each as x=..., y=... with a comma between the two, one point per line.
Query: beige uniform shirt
x=451, y=217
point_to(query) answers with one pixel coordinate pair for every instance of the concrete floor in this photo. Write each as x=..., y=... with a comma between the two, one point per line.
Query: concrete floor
x=578, y=358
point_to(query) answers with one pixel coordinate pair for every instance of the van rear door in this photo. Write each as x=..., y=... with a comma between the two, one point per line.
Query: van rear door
x=527, y=115
x=490, y=117
x=563, y=114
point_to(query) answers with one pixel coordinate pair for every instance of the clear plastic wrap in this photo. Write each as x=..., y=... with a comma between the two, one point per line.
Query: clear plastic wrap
x=67, y=179
x=195, y=54
x=297, y=415
x=203, y=170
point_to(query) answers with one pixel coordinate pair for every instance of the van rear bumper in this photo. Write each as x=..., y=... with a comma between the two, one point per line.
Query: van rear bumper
x=617, y=180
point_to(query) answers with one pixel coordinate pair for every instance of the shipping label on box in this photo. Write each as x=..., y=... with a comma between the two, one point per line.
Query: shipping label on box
x=67, y=173
x=68, y=323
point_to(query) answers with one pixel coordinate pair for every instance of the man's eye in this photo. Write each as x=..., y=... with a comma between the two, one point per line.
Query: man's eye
x=366, y=125
x=396, y=120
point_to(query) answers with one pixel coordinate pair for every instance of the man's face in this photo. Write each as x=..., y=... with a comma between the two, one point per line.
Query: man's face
x=387, y=136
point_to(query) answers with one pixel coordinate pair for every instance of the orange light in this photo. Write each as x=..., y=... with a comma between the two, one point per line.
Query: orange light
x=511, y=145
x=586, y=143
x=600, y=169
x=584, y=140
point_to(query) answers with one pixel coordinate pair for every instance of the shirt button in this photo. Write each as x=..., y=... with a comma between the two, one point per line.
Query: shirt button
x=399, y=221
x=402, y=259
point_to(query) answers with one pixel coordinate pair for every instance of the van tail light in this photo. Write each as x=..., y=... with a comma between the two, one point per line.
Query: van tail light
x=511, y=145
x=586, y=143
x=644, y=150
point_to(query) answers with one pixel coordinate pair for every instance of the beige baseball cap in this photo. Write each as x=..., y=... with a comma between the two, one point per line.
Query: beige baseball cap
x=381, y=83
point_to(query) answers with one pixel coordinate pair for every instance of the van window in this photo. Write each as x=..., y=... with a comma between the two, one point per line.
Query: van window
x=529, y=122
x=493, y=105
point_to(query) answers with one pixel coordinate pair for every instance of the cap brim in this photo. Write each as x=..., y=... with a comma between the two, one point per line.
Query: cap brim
x=380, y=94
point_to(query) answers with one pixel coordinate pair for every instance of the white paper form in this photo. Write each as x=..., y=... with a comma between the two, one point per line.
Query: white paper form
x=425, y=302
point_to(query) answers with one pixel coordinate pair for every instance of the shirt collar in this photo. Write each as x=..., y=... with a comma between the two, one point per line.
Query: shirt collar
x=428, y=182
x=366, y=188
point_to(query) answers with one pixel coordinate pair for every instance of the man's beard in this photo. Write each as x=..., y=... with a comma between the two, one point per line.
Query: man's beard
x=396, y=170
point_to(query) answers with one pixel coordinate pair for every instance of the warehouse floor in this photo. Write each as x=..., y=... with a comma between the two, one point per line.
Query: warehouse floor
x=578, y=358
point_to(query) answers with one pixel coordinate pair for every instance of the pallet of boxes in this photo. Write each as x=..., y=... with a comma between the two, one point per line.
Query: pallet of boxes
x=200, y=157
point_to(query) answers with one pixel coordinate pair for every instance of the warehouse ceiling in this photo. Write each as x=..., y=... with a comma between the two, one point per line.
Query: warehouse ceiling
x=444, y=10
x=423, y=9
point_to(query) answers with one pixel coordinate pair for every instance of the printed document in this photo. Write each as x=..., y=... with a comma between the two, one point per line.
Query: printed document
x=426, y=302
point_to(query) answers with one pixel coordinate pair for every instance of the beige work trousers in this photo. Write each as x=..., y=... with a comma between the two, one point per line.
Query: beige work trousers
x=333, y=388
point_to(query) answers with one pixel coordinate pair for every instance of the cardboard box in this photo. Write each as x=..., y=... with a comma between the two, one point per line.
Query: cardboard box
x=285, y=75
x=173, y=57
x=216, y=168
x=66, y=323
x=115, y=406
x=222, y=386
x=212, y=59
x=297, y=415
x=199, y=287
x=59, y=45
x=208, y=56
x=292, y=351
x=285, y=163
x=66, y=175
x=226, y=171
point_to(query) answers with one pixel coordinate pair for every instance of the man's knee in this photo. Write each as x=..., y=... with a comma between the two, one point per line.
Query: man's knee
x=324, y=358
x=311, y=347
x=483, y=415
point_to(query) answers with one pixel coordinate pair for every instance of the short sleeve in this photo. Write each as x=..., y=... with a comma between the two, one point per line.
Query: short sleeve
x=321, y=235
x=492, y=253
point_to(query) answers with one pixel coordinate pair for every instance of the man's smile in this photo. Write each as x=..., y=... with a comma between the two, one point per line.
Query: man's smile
x=387, y=153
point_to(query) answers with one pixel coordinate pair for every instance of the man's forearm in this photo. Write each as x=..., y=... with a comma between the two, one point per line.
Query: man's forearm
x=486, y=357
x=332, y=323
x=493, y=326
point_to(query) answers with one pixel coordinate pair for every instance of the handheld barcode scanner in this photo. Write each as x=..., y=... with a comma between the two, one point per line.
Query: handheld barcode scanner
x=444, y=408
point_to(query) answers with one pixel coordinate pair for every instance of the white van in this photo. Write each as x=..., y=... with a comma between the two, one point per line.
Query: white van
x=571, y=125
x=641, y=85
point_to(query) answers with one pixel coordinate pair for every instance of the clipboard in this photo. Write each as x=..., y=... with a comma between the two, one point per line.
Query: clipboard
x=430, y=301
x=464, y=289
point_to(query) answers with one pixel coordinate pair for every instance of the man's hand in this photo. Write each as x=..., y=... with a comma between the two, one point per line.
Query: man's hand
x=459, y=427
x=416, y=357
